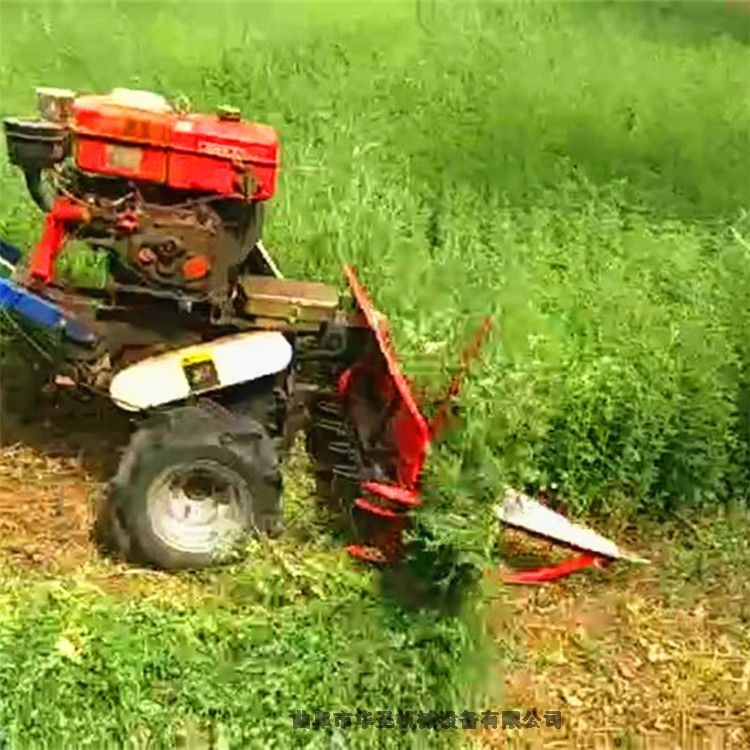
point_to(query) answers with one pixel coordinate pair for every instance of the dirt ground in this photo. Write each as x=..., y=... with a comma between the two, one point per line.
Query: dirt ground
x=655, y=657
x=649, y=657
x=52, y=469
x=626, y=667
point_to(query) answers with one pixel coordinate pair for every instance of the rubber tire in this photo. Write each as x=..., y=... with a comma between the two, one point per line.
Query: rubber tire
x=178, y=436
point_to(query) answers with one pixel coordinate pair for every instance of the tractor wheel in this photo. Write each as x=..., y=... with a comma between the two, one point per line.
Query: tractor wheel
x=192, y=484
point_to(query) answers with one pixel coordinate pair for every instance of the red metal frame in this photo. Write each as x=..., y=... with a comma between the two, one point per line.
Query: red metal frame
x=385, y=503
x=412, y=432
x=554, y=572
x=440, y=419
x=64, y=215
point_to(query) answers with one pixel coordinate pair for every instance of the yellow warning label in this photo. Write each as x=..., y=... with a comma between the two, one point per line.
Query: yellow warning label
x=196, y=359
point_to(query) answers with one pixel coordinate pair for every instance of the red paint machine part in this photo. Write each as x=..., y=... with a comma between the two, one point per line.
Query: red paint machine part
x=390, y=503
x=145, y=141
x=62, y=219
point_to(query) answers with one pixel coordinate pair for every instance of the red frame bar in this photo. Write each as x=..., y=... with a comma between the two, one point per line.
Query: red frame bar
x=62, y=217
x=554, y=572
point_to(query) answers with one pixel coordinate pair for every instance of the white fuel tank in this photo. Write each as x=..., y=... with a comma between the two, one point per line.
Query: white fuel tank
x=200, y=368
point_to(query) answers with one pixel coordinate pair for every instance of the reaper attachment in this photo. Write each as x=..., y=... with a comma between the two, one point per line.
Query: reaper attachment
x=193, y=474
x=405, y=435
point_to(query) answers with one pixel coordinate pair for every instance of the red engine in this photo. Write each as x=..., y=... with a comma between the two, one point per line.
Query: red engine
x=174, y=198
x=138, y=136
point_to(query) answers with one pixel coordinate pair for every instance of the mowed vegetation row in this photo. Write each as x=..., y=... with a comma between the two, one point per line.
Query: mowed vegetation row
x=578, y=171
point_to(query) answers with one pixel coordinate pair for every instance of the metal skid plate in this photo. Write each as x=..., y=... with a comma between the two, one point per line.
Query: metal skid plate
x=525, y=513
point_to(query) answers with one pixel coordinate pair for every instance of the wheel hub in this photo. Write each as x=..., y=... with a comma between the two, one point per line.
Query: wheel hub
x=197, y=507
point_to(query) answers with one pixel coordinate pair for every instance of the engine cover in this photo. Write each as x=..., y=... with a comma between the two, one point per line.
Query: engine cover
x=137, y=135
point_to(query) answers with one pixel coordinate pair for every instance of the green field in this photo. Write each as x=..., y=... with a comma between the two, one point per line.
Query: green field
x=577, y=170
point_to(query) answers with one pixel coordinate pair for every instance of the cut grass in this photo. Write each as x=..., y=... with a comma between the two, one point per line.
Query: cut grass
x=98, y=654
x=86, y=669
x=632, y=658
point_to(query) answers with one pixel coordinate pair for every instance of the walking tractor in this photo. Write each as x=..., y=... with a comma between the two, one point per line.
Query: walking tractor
x=219, y=358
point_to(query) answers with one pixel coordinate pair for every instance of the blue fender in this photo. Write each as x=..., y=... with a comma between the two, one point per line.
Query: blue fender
x=43, y=312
